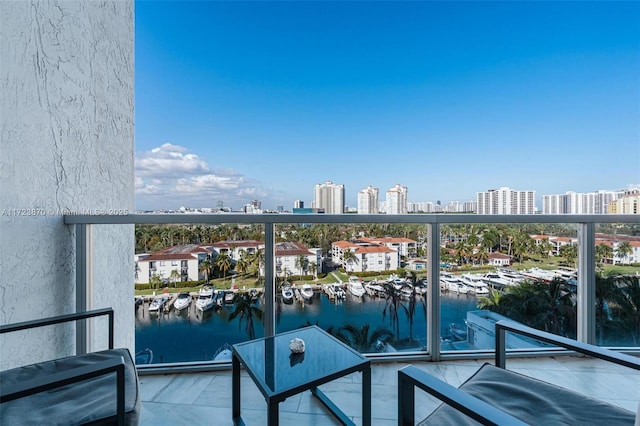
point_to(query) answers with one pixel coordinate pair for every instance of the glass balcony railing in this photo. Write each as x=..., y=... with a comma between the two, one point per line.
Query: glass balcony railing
x=352, y=275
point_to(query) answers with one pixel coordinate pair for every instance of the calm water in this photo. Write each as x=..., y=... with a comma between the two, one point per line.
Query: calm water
x=193, y=336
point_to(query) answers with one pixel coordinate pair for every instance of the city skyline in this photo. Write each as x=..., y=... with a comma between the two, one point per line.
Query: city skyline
x=238, y=101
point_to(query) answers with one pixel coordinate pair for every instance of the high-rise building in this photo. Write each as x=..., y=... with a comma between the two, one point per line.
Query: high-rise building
x=506, y=201
x=397, y=200
x=298, y=204
x=629, y=203
x=368, y=200
x=330, y=197
x=579, y=203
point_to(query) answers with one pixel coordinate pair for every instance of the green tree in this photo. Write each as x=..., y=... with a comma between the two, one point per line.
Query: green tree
x=603, y=253
x=302, y=263
x=223, y=263
x=626, y=306
x=393, y=304
x=206, y=267
x=155, y=281
x=360, y=339
x=246, y=310
x=349, y=257
x=491, y=301
x=313, y=267
x=570, y=253
x=623, y=251
x=174, y=276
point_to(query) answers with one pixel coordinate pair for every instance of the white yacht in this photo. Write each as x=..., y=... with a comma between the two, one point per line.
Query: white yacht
x=453, y=284
x=306, y=291
x=495, y=281
x=355, y=287
x=287, y=294
x=183, y=301
x=475, y=284
x=374, y=289
x=157, y=304
x=205, y=299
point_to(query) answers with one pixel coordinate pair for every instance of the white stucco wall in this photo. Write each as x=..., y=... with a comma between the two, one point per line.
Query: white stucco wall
x=66, y=113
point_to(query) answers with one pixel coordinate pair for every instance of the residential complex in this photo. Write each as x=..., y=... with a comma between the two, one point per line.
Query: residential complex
x=365, y=257
x=629, y=203
x=368, y=200
x=330, y=197
x=396, y=202
x=579, y=203
x=506, y=201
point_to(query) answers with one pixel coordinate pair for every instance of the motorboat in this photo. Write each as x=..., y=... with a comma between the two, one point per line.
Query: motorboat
x=205, y=300
x=453, y=284
x=355, y=287
x=183, y=301
x=287, y=294
x=229, y=297
x=495, y=281
x=475, y=284
x=338, y=291
x=306, y=291
x=139, y=300
x=157, y=304
x=538, y=274
x=406, y=291
x=374, y=289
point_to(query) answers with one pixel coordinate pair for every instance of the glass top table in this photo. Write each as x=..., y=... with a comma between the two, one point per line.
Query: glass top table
x=279, y=374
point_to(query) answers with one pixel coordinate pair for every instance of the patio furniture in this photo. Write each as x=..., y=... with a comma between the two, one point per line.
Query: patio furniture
x=97, y=388
x=494, y=395
x=278, y=373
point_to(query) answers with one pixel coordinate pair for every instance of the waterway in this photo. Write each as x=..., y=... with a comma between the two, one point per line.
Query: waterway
x=194, y=336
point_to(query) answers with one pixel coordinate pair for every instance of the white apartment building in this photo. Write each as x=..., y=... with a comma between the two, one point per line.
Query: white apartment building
x=506, y=201
x=185, y=259
x=287, y=258
x=368, y=256
x=235, y=248
x=330, y=197
x=579, y=203
x=397, y=200
x=404, y=246
x=368, y=200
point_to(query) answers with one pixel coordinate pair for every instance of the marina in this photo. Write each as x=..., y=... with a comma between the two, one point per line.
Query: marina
x=192, y=334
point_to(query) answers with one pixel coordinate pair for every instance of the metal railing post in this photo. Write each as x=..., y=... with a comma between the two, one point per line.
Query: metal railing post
x=269, y=317
x=83, y=255
x=433, y=291
x=586, y=310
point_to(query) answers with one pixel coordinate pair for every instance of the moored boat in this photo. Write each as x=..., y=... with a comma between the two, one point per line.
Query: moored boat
x=306, y=291
x=205, y=299
x=157, y=303
x=355, y=287
x=144, y=357
x=287, y=294
x=182, y=302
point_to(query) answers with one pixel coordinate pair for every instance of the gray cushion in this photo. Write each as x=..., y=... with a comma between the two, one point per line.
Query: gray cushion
x=532, y=401
x=90, y=401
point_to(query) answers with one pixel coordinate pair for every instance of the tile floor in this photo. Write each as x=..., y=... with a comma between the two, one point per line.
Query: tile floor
x=205, y=398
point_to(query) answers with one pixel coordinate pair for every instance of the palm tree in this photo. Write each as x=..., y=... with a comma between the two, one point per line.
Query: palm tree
x=626, y=306
x=392, y=305
x=623, y=251
x=155, y=281
x=302, y=264
x=349, y=257
x=603, y=252
x=206, y=267
x=174, y=276
x=360, y=339
x=491, y=301
x=246, y=309
x=313, y=267
x=569, y=252
x=242, y=264
x=223, y=263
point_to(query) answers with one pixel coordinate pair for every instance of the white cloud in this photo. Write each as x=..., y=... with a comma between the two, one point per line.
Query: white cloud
x=170, y=176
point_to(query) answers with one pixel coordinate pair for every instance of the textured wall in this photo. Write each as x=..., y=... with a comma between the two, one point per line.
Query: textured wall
x=66, y=111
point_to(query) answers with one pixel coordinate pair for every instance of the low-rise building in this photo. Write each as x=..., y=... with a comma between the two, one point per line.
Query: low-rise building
x=296, y=259
x=185, y=259
x=367, y=256
x=499, y=259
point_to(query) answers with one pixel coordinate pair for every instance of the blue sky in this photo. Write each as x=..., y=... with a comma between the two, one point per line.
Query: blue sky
x=238, y=101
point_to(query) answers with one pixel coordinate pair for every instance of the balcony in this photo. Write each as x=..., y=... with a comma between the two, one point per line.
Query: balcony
x=190, y=398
